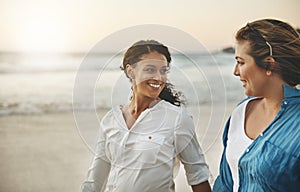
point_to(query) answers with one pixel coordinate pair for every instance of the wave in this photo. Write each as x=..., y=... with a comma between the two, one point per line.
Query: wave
x=45, y=84
x=38, y=63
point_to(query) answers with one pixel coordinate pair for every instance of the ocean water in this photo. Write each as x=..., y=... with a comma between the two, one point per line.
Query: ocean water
x=45, y=83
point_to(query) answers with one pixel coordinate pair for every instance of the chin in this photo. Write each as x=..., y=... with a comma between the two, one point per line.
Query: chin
x=251, y=94
x=154, y=96
x=248, y=94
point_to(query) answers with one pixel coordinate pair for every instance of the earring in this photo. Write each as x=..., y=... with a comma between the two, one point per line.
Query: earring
x=268, y=72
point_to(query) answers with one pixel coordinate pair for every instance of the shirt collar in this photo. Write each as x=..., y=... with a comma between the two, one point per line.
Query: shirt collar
x=290, y=91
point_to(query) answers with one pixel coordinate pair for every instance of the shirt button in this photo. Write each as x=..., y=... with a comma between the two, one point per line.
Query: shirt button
x=285, y=102
x=247, y=150
x=261, y=134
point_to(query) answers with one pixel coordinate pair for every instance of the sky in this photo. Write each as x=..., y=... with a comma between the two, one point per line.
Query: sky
x=77, y=25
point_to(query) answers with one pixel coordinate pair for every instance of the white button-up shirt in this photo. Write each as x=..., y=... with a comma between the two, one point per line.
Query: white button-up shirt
x=142, y=158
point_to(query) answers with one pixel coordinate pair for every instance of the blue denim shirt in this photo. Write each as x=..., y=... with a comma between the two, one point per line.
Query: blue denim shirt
x=272, y=161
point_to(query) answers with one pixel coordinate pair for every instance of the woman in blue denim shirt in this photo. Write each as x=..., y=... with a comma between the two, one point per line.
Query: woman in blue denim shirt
x=262, y=137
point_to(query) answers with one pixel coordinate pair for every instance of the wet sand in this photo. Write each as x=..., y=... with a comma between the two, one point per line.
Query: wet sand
x=46, y=153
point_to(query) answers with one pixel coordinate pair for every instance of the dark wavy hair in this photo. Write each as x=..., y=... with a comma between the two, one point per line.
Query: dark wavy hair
x=285, y=47
x=140, y=48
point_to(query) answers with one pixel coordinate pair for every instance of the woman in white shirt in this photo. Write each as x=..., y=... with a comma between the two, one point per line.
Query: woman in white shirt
x=139, y=142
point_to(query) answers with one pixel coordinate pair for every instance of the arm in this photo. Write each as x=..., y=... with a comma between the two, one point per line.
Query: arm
x=99, y=170
x=97, y=176
x=190, y=153
x=224, y=181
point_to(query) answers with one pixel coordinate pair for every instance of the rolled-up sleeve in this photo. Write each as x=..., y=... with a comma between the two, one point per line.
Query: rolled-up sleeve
x=98, y=172
x=189, y=150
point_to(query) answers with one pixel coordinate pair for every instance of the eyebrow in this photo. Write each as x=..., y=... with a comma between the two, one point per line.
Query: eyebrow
x=237, y=57
x=149, y=65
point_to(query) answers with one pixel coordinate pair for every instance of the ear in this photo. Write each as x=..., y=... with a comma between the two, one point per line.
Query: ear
x=129, y=71
x=270, y=65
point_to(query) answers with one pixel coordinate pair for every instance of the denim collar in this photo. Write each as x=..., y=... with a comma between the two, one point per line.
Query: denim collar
x=290, y=91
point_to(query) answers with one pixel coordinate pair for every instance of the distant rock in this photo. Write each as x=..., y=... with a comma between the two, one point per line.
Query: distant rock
x=228, y=50
x=231, y=49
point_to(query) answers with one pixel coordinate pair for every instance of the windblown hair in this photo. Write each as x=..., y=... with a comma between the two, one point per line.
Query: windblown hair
x=140, y=48
x=285, y=44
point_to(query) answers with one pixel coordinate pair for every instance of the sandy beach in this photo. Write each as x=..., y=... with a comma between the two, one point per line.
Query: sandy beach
x=46, y=153
x=41, y=153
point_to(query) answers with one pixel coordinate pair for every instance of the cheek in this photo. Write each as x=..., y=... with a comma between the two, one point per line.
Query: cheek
x=142, y=79
x=142, y=76
x=139, y=77
x=246, y=71
x=145, y=77
x=164, y=78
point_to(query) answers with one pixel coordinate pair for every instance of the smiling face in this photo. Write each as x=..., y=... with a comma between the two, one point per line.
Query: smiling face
x=254, y=79
x=149, y=75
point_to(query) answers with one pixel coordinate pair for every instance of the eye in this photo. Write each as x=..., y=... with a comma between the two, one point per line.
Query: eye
x=150, y=70
x=165, y=70
x=240, y=62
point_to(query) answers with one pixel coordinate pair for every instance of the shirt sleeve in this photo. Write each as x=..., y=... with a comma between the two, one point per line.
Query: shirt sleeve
x=99, y=170
x=189, y=151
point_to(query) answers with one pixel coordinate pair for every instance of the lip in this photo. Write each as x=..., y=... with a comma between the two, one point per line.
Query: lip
x=243, y=82
x=154, y=85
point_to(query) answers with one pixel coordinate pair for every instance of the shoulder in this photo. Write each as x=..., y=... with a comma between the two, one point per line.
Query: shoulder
x=109, y=118
x=286, y=130
x=180, y=110
x=169, y=107
x=174, y=108
x=179, y=113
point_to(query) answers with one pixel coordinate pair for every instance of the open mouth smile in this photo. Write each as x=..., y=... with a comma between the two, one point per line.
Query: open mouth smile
x=243, y=82
x=154, y=85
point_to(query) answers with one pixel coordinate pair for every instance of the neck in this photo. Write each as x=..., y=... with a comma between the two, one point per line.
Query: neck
x=272, y=101
x=271, y=106
x=139, y=104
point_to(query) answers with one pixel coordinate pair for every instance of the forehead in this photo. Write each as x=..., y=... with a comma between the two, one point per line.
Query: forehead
x=153, y=59
x=152, y=63
x=242, y=48
x=154, y=55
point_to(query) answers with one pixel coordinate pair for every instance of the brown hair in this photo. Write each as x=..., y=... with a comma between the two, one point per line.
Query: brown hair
x=140, y=48
x=285, y=47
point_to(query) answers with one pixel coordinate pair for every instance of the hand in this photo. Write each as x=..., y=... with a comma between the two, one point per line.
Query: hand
x=201, y=187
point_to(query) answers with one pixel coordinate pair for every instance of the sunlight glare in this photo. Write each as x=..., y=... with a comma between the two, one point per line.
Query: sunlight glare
x=43, y=34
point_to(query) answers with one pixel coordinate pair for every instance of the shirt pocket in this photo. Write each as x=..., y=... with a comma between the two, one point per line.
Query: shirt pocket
x=273, y=167
x=147, y=147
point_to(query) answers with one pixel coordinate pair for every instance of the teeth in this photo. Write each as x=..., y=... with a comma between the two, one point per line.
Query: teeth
x=154, y=85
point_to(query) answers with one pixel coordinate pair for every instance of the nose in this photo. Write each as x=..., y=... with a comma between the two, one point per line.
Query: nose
x=157, y=76
x=236, y=71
